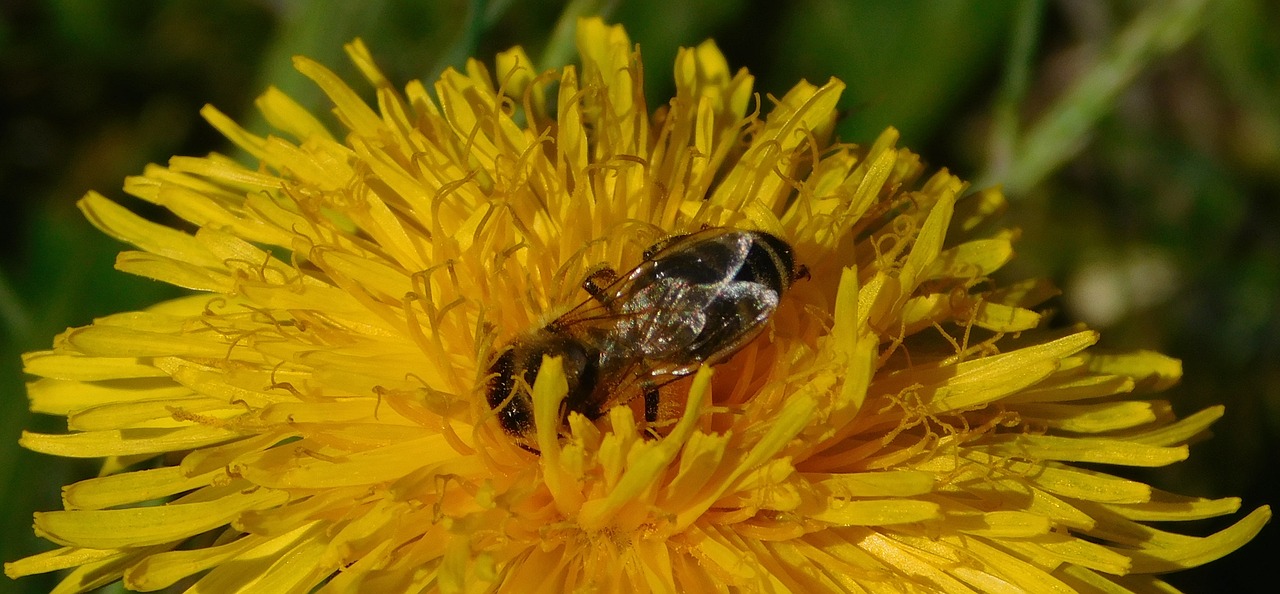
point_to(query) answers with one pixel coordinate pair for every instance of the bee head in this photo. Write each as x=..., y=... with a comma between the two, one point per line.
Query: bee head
x=511, y=398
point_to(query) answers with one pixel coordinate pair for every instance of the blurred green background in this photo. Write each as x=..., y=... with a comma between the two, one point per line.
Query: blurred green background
x=1139, y=143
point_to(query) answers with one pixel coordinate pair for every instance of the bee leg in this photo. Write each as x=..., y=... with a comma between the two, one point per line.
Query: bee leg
x=530, y=449
x=651, y=403
x=598, y=281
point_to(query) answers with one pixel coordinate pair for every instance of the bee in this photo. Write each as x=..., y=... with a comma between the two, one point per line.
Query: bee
x=694, y=299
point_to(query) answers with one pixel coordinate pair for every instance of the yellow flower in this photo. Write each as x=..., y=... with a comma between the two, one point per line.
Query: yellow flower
x=315, y=415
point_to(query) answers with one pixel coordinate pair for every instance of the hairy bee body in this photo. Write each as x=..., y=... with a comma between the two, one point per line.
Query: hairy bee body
x=694, y=300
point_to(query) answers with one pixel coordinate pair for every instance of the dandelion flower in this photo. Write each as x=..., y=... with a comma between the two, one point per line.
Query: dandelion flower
x=313, y=416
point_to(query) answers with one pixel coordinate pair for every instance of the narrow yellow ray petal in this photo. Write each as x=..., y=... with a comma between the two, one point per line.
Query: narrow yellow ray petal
x=62, y=397
x=1077, y=449
x=1094, y=418
x=882, y=512
x=125, y=442
x=164, y=569
x=353, y=111
x=174, y=272
x=143, y=526
x=283, y=113
x=120, y=340
x=69, y=366
x=643, y=473
x=60, y=558
x=122, y=224
x=285, y=468
x=130, y=487
x=1205, y=549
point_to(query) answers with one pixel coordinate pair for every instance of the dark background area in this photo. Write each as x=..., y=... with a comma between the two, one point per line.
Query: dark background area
x=1145, y=178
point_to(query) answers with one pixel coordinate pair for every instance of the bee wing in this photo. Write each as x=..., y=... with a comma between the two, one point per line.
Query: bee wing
x=602, y=316
x=728, y=317
x=636, y=378
x=646, y=291
x=685, y=305
x=742, y=310
x=705, y=257
x=660, y=351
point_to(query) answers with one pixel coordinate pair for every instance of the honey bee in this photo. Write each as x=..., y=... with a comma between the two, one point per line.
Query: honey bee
x=695, y=299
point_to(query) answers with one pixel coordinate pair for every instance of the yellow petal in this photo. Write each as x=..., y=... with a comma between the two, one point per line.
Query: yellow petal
x=125, y=442
x=354, y=113
x=66, y=366
x=164, y=569
x=1077, y=449
x=1155, y=371
x=130, y=487
x=290, y=467
x=970, y=260
x=1203, y=550
x=122, y=224
x=164, y=413
x=1165, y=507
x=174, y=272
x=1003, y=524
x=61, y=397
x=895, y=483
x=285, y=114
x=143, y=526
x=1094, y=418
x=881, y=512
x=60, y=558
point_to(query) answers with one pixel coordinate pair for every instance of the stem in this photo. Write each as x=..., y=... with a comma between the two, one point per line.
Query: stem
x=1063, y=131
x=15, y=320
x=1017, y=74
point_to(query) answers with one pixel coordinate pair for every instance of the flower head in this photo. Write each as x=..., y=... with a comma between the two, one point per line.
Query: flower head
x=315, y=413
